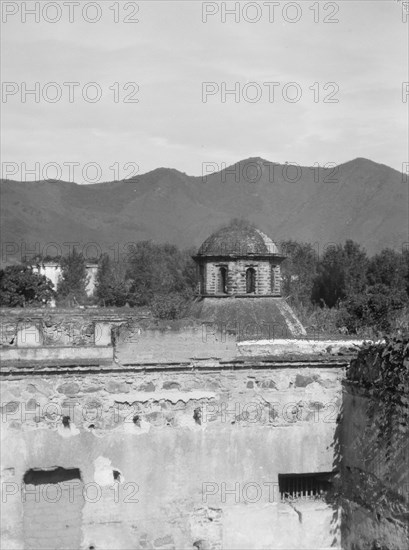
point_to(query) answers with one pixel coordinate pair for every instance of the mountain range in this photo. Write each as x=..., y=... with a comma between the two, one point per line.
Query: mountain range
x=360, y=200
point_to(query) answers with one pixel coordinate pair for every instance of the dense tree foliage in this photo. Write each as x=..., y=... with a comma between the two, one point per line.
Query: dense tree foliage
x=389, y=268
x=342, y=290
x=354, y=292
x=20, y=287
x=298, y=271
x=73, y=277
x=341, y=273
x=375, y=307
x=112, y=285
x=160, y=276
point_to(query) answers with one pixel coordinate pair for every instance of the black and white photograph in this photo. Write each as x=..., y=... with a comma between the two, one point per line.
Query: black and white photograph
x=204, y=275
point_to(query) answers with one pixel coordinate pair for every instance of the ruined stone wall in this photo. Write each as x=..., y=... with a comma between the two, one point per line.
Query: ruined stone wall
x=373, y=449
x=57, y=328
x=167, y=458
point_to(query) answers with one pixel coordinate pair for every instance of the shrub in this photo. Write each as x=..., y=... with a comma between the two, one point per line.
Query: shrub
x=169, y=306
x=376, y=307
x=20, y=287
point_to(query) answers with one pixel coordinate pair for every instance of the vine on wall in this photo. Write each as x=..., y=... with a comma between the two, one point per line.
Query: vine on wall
x=371, y=449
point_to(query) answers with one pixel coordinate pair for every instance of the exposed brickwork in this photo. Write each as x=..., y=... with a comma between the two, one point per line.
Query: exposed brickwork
x=268, y=276
x=238, y=248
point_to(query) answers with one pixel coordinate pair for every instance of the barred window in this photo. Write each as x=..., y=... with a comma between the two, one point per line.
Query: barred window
x=293, y=486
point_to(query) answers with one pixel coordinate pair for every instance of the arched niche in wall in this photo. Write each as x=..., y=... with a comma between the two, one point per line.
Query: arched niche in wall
x=222, y=280
x=275, y=280
x=250, y=280
x=202, y=283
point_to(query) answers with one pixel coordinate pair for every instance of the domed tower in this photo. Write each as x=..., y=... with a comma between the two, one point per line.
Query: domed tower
x=239, y=285
x=239, y=260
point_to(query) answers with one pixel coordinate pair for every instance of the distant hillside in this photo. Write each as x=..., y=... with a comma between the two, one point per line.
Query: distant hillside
x=361, y=200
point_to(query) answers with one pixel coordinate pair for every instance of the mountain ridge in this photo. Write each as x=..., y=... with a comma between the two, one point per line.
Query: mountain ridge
x=360, y=199
x=176, y=170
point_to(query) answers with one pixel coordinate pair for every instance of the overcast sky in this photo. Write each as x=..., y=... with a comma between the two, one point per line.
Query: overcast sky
x=170, y=52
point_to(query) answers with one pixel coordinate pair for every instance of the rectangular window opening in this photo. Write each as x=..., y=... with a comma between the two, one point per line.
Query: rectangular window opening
x=37, y=476
x=305, y=486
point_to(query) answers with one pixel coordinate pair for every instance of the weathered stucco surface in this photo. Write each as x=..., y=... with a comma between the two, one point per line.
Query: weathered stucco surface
x=196, y=457
x=179, y=432
x=60, y=355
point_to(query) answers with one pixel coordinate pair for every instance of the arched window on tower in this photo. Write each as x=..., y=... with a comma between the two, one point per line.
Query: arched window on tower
x=275, y=280
x=222, y=280
x=202, y=288
x=250, y=280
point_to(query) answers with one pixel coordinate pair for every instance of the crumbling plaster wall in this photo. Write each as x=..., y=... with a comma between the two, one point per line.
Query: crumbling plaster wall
x=192, y=451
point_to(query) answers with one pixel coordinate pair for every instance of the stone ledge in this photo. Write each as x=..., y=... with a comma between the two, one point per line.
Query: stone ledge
x=27, y=368
x=60, y=355
x=300, y=347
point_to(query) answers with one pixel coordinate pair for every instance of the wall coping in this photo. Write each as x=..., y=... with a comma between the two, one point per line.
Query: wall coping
x=252, y=295
x=175, y=368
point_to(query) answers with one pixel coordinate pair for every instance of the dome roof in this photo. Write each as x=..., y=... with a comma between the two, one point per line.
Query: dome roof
x=238, y=239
